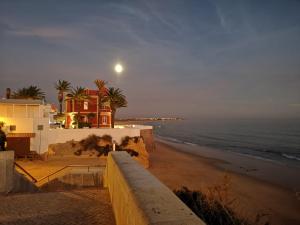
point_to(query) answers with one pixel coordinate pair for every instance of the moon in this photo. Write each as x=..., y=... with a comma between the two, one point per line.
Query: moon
x=119, y=68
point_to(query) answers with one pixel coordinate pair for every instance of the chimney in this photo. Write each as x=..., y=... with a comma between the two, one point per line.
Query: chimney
x=8, y=92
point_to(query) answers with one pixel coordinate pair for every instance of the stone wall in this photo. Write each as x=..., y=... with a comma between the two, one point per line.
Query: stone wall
x=138, y=198
x=6, y=171
x=147, y=135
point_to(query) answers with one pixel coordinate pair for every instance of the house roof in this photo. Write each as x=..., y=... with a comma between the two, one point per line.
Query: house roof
x=22, y=101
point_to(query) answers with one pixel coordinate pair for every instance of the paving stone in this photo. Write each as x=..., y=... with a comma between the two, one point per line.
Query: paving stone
x=84, y=206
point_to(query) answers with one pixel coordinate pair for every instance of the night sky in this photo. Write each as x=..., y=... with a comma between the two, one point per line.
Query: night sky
x=182, y=58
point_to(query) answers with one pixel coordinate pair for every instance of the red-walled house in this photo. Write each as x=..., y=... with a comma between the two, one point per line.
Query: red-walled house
x=88, y=111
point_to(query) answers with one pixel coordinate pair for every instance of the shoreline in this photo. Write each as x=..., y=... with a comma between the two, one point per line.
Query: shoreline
x=177, y=165
x=261, y=169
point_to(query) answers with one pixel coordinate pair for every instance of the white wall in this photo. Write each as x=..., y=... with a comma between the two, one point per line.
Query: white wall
x=39, y=142
x=23, y=125
x=48, y=136
x=54, y=136
x=141, y=127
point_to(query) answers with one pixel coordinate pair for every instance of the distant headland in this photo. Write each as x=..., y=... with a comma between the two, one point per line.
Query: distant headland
x=149, y=119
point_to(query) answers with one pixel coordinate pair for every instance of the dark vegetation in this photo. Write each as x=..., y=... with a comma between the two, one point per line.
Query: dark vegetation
x=103, y=145
x=125, y=140
x=213, y=206
x=31, y=92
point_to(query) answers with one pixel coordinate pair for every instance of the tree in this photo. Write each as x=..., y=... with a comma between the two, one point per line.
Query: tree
x=62, y=86
x=116, y=100
x=89, y=117
x=78, y=95
x=31, y=92
x=102, y=92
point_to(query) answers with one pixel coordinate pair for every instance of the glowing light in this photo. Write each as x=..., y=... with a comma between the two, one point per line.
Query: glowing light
x=119, y=68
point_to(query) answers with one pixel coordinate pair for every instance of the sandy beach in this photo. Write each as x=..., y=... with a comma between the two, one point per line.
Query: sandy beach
x=254, y=184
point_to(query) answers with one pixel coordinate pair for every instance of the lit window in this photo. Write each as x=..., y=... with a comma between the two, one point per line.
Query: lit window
x=85, y=105
x=104, y=119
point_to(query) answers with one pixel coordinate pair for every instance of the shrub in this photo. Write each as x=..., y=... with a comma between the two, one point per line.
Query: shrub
x=107, y=138
x=131, y=152
x=84, y=124
x=213, y=205
x=212, y=212
x=92, y=143
x=125, y=141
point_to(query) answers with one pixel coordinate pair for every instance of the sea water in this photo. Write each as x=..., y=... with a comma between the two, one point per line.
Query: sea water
x=277, y=140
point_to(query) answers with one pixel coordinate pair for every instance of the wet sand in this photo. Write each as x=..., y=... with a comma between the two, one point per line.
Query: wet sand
x=257, y=186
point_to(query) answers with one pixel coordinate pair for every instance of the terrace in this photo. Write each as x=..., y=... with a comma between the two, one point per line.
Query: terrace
x=127, y=194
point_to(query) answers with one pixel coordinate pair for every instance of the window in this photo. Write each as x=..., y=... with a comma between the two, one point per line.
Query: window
x=85, y=105
x=104, y=120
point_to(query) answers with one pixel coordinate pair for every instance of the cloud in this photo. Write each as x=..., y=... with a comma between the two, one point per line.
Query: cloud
x=132, y=11
x=161, y=18
x=43, y=32
x=222, y=19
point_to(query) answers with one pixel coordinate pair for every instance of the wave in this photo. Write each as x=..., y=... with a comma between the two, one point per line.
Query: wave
x=174, y=140
x=290, y=156
x=259, y=157
x=238, y=149
x=171, y=139
x=189, y=143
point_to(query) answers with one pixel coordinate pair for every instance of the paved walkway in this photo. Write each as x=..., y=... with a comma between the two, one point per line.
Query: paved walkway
x=85, y=206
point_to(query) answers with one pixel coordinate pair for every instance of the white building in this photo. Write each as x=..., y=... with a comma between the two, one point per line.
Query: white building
x=25, y=118
x=31, y=118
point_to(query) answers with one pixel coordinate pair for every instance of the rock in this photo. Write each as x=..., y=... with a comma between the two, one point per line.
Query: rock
x=139, y=147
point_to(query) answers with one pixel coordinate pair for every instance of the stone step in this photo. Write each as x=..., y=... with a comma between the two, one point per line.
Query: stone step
x=73, y=181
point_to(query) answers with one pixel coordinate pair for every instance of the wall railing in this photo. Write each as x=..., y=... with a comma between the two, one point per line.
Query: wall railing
x=47, y=178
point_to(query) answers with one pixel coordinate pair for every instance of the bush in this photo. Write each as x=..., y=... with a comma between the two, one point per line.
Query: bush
x=129, y=151
x=84, y=124
x=212, y=212
x=107, y=138
x=125, y=141
x=92, y=143
x=213, y=206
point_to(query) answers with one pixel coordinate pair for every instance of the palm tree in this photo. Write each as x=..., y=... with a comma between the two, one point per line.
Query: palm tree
x=31, y=92
x=116, y=100
x=78, y=95
x=62, y=86
x=102, y=92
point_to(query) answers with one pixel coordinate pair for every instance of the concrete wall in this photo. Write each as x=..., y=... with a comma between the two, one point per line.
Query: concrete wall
x=22, y=184
x=48, y=136
x=138, y=198
x=6, y=171
x=63, y=135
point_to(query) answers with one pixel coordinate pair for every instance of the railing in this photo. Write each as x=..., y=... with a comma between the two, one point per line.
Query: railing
x=48, y=176
x=28, y=174
x=65, y=167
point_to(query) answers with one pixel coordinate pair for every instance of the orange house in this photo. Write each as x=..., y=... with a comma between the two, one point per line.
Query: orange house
x=89, y=111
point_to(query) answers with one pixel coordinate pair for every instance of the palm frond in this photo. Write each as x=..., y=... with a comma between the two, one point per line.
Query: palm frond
x=31, y=92
x=63, y=85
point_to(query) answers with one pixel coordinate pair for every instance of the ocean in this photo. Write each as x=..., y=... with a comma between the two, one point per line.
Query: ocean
x=276, y=140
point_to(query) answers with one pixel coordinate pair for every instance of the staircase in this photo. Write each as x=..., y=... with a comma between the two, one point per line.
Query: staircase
x=66, y=178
